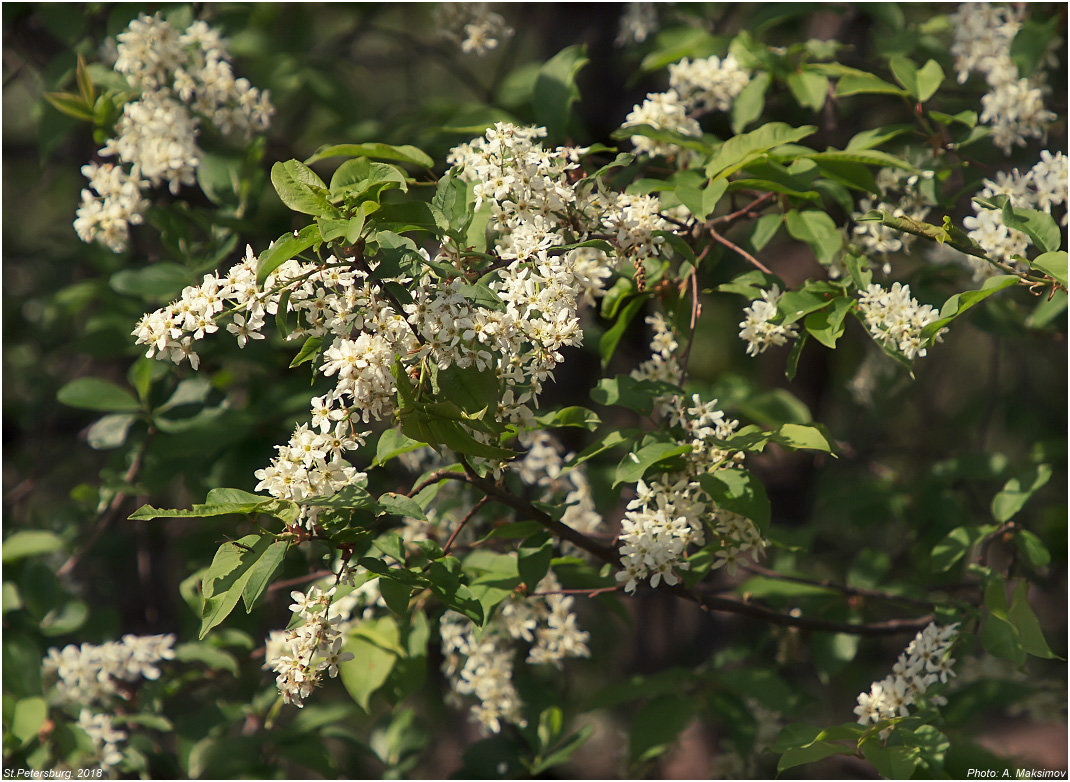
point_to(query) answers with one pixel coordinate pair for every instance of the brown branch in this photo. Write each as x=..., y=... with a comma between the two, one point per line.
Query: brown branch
x=464, y=521
x=696, y=310
x=492, y=489
x=726, y=605
x=435, y=477
x=289, y=582
x=746, y=211
x=743, y=253
x=857, y=591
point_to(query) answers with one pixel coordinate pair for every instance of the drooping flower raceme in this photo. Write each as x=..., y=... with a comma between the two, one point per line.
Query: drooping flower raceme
x=474, y=26
x=92, y=673
x=93, y=676
x=696, y=87
x=479, y=662
x=757, y=328
x=925, y=661
x=1042, y=188
x=1014, y=106
x=895, y=319
x=181, y=77
x=303, y=654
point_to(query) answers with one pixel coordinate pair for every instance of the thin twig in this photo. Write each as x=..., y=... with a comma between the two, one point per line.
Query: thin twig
x=727, y=605
x=490, y=488
x=696, y=310
x=744, y=212
x=746, y=255
x=858, y=591
x=435, y=477
x=105, y=519
x=465, y=520
x=289, y=582
x=588, y=592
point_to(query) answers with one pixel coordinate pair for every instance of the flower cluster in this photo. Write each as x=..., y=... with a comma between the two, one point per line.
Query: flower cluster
x=92, y=673
x=1014, y=106
x=106, y=738
x=474, y=26
x=662, y=366
x=896, y=320
x=658, y=527
x=1043, y=188
x=924, y=662
x=757, y=327
x=667, y=515
x=304, y=653
x=181, y=77
x=637, y=23
x=479, y=663
x=695, y=87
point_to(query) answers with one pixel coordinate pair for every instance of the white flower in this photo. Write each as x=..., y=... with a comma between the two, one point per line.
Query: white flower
x=757, y=328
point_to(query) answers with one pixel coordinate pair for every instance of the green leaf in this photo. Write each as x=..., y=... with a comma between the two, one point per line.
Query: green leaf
x=607, y=345
x=30, y=543
x=921, y=83
x=999, y=636
x=657, y=725
x=403, y=153
x=367, y=671
x=1054, y=265
x=284, y=248
x=574, y=415
x=228, y=576
x=533, y=558
x=308, y=352
x=868, y=139
x=955, y=545
x=748, y=105
x=1027, y=624
x=1040, y=227
x=301, y=189
x=471, y=389
x=892, y=762
x=862, y=83
x=363, y=179
x=351, y=497
x=961, y=302
x=740, y=492
x=393, y=443
x=93, y=393
x=1017, y=491
x=400, y=505
x=818, y=230
x=826, y=326
x=739, y=150
x=1032, y=549
x=809, y=88
x=208, y=654
x=556, y=90
x=70, y=104
x=161, y=280
x=811, y=753
x=869, y=157
x=28, y=717
x=1031, y=42
x=811, y=437
x=638, y=395
x=634, y=465
x=261, y=573
x=701, y=201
